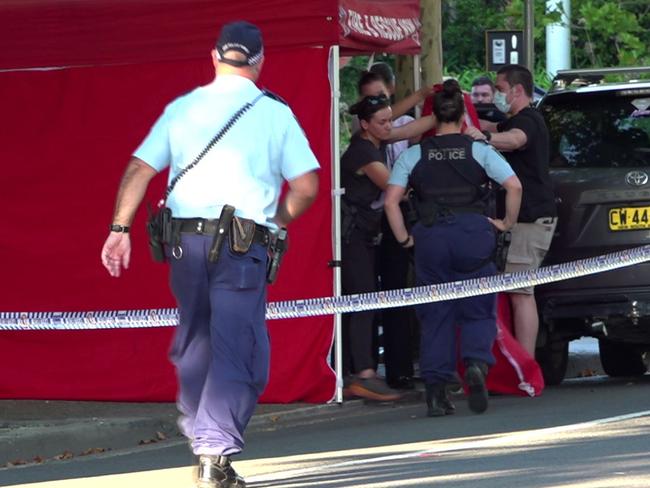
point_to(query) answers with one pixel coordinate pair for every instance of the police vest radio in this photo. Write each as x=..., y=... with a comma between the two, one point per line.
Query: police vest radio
x=159, y=220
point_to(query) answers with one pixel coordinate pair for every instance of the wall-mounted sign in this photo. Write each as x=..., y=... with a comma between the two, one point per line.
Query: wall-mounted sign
x=504, y=47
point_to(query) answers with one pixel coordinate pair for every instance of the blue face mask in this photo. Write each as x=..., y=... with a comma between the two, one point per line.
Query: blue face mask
x=500, y=100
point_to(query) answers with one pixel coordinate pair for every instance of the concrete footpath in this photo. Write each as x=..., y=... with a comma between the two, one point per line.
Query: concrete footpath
x=38, y=431
x=41, y=430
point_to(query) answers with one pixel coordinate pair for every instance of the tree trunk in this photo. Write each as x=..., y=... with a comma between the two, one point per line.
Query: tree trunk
x=403, y=76
x=431, y=38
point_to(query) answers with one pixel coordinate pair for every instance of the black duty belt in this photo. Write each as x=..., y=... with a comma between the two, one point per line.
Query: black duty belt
x=208, y=227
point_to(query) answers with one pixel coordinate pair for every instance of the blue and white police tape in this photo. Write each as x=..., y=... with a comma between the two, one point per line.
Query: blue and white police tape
x=342, y=304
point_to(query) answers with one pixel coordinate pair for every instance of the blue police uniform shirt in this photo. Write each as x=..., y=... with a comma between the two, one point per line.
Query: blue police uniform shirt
x=245, y=168
x=490, y=160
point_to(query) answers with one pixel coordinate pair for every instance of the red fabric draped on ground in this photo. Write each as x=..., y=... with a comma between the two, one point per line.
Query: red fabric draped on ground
x=66, y=137
x=515, y=372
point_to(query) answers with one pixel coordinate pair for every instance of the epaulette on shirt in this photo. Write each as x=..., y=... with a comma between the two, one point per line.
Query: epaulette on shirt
x=274, y=96
x=278, y=98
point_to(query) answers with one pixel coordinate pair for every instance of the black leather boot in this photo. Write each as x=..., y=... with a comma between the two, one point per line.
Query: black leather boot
x=216, y=472
x=475, y=373
x=438, y=403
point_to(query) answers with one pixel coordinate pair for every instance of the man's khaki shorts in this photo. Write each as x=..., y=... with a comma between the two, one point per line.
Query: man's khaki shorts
x=530, y=242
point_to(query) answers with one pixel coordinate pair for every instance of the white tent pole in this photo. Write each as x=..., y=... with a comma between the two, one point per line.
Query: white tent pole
x=336, y=220
x=417, y=82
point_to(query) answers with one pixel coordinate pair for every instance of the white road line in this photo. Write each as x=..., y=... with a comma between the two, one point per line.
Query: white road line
x=475, y=444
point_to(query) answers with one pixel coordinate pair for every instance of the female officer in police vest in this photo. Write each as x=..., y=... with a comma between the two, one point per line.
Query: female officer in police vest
x=454, y=240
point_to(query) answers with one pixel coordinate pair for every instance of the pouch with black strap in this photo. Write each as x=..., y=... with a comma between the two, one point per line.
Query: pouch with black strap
x=158, y=225
x=242, y=232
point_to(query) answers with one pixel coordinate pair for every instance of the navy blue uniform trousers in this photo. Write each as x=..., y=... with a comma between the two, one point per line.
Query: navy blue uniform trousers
x=221, y=345
x=452, y=250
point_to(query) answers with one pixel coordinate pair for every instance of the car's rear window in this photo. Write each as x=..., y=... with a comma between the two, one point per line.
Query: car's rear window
x=602, y=129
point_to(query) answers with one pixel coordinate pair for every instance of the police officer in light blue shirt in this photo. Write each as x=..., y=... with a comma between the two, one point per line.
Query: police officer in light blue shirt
x=454, y=240
x=221, y=347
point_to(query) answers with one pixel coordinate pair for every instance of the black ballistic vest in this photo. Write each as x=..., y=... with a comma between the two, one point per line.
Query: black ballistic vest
x=448, y=179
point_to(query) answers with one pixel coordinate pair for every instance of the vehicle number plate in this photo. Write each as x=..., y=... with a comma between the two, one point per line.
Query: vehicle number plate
x=629, y=218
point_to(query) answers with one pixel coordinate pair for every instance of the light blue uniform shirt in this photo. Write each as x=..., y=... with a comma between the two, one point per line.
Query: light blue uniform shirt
x=491, y=161
x=245, y=168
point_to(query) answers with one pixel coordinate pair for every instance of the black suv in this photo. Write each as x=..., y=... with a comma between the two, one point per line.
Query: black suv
x=600, y=166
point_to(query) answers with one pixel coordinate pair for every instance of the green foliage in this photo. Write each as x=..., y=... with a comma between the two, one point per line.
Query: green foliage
x=604, y=32
x=467, y=76
x=463, y=39
x=610, y=33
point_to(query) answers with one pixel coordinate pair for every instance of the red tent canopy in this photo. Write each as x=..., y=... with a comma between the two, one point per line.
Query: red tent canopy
x=44, y=33
x=81, y=82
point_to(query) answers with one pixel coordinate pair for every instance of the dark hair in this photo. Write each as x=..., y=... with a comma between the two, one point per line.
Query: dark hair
x=366, y=78
x=515, y=74
x=369, y=106
x=448, y=104
x=483, y=80
x=385, y=71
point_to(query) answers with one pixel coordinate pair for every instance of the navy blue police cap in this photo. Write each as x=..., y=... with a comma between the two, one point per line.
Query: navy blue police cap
x=243, y=37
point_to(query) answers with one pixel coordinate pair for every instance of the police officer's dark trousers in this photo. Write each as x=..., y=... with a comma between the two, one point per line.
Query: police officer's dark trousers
x=221, y=346
x=393, y=267
x=456, y=248
x=358, y=276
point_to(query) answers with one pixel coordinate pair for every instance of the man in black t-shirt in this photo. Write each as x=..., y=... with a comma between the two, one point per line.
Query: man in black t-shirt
x=524, y=141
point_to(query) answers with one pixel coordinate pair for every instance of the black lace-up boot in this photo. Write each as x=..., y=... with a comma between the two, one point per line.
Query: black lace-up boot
x=216, y=472
x=475, y=373
x=438, y=403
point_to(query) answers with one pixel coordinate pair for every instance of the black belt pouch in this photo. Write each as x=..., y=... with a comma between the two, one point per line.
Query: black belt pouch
x=241, y=234
x=501, y=250
x=159, y=224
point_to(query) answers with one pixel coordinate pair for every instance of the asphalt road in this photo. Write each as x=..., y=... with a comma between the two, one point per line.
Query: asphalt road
x=587, y=433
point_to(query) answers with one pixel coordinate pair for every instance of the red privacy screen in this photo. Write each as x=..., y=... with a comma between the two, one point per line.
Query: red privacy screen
x=65, y=138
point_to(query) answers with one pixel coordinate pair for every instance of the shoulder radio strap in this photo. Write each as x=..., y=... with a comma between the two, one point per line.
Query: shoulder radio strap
x=222, y=132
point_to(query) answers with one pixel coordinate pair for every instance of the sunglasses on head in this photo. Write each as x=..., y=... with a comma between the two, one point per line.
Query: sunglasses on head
x=377, y=99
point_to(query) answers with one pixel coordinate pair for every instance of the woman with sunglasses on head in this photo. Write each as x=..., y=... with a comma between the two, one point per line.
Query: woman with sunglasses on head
x=454, y=240
x=364, y=176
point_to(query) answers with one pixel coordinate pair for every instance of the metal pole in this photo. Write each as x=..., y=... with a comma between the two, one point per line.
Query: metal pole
x=336, y=211
x=417, y=82
x=529, y=22
x=558, y=38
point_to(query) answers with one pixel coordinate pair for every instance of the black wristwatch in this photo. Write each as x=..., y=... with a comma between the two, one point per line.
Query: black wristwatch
x=119, y=228
x=405, y=241
x=487, y=134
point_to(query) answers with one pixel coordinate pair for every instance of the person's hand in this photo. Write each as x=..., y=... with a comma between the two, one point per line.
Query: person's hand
x=475, y=133
x=425, y=92
x=116, y=253
x=410, y=243
x=407, y=195
x=500, y=224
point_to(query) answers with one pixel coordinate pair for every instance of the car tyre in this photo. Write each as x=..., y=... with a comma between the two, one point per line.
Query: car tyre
x=553, y=358
x=620, y=359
